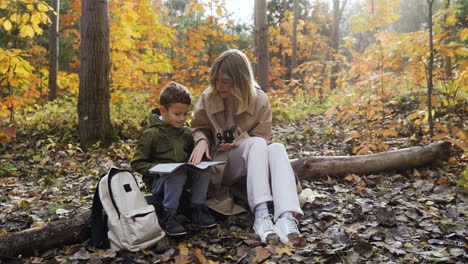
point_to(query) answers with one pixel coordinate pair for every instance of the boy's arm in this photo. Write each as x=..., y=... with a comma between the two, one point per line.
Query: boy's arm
x=142, y=161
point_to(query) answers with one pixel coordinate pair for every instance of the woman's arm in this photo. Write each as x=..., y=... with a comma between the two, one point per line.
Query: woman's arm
x=201, y=130
x=264, y=118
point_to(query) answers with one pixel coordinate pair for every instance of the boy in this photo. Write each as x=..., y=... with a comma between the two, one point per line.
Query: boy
x=168, y=140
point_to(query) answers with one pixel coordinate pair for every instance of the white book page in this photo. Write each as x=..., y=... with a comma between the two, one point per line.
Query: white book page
x=170, y=167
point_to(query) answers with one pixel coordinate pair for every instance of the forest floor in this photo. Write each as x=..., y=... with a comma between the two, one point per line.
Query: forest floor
x=414, y=216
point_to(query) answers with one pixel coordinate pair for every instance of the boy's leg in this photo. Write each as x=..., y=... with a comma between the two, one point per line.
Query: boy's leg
x=172, y=186
x=200, y=179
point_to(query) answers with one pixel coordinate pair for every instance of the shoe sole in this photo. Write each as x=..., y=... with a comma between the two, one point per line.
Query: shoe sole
x=176, y=234
x=271, y=239
x=206, y=226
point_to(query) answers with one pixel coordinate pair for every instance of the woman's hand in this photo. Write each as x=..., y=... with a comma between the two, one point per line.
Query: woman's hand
x=200, y=149
x=225, y=146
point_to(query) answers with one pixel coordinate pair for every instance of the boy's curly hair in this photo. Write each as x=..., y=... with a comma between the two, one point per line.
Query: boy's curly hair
x=174, y=93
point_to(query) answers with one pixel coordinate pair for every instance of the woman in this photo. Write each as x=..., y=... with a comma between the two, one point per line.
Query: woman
x=233, y=105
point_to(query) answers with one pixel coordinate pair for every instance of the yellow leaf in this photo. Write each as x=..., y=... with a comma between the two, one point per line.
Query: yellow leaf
x=408, y=245
x=26, y=31
x=461, y=135
x=30, y=7
x=7, y=25
x=355, y=134
x=462, y=51
x=183, y=249
x=463, y=34
x=42, y=8
x=389, y=132
x=199, y=255
x=330, y=130
x=283, y=250
x=451, y=19
x=3, y=232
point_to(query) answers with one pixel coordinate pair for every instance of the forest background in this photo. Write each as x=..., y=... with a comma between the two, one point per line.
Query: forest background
x=367, y=65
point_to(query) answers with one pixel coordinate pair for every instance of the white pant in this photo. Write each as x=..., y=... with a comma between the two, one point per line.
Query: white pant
x=269, y=175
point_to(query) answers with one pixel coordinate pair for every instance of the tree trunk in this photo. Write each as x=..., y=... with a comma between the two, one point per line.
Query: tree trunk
x=76, y=230
x=261, y=44
x=35, y=240
x=313, y=168
x=334, y=41
x=93, y=102
x=429, y=71
x=294, y=39
x=53, y=49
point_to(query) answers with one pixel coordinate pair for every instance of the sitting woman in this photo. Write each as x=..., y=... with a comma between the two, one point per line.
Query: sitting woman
x=233, y=119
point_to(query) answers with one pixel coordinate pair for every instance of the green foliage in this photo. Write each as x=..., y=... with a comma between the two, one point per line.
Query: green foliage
x=129, y=116
x=297, y=106
x=6, y=168
x=464, y=180
x=58, y=118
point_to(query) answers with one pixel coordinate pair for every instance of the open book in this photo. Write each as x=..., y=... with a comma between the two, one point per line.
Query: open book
x=170, y=167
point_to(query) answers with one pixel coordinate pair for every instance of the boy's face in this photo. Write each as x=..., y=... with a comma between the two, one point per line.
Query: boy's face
x=175, y=114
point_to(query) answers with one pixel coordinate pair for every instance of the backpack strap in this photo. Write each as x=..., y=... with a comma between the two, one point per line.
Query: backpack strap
x=112, y=172
x=99, y=222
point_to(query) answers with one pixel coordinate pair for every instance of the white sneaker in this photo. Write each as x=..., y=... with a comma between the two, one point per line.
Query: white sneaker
x=265, y=229
x=286, y=228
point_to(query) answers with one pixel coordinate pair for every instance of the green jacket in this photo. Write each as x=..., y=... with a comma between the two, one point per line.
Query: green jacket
x=161, y=143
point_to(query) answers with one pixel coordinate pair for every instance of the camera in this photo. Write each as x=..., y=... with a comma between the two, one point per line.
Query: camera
x=226, y=137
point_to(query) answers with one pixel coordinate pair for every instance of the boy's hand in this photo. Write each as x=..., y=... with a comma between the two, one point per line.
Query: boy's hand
x=225, y=146
x=200, y=149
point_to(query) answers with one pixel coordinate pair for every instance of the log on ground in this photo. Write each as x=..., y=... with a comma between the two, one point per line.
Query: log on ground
x=35, y=240
x=314, y=168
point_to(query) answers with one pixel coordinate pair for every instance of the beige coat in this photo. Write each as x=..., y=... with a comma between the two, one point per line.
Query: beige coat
x=209, y=119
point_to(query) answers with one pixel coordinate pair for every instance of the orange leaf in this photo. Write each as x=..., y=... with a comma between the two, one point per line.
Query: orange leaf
x=261, y=255
x=201, y=258
x=182, y=259
x=9, y=131
x=442, y=181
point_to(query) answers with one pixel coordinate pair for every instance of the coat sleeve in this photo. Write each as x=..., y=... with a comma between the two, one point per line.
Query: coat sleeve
x=201, y=126
x=263, y=127
x=142, y=161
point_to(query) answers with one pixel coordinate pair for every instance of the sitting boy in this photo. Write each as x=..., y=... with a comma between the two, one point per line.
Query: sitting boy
x=168, y=140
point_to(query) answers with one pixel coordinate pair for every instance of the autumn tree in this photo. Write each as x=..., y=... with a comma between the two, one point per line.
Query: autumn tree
x=334, y=40
x=93, y=102
x=429, y=70
x=53, y=49
x=261, y=44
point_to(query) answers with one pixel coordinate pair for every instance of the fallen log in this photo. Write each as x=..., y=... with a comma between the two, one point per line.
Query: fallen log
x=77, y=229
x=314, y=168
x=36, y=240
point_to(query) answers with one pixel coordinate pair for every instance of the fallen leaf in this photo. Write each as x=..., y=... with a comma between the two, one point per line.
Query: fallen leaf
x=199, y=255
x=183, y=249
x=283, y=250
x=182, y=259
x=261, y=255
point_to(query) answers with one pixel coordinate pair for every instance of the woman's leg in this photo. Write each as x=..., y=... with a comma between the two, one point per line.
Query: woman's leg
x=285, y=198
x=250, y=159
x=283, y=181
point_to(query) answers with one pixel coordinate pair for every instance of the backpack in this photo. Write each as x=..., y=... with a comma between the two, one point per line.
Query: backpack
x=120, y=216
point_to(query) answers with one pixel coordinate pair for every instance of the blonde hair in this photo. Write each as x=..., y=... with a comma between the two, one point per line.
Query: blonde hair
x=234, y=66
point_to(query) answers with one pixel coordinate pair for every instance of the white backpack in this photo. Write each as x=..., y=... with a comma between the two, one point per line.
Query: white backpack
x=131, y=223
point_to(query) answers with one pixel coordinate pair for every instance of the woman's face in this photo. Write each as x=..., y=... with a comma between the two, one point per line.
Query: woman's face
x=223, y=86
